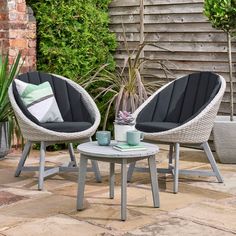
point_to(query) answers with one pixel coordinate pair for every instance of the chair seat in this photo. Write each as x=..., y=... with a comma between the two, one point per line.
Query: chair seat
x=66, y=126
x=151, y=127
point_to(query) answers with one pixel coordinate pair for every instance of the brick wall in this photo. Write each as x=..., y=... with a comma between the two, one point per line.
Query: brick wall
x=18, y=32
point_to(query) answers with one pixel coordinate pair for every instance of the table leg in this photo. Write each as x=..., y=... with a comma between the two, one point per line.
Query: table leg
x=130, y=171
x=112, y=179
x=81, y=181
x=96, y=171
x=123, y=188
x=154, y=182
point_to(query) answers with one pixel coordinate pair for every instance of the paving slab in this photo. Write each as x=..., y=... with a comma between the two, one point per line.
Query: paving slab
x=26, y=192
x=7, y=198
x=40, y=207
x=219, y=214
x=59, y=225
x=168, y=225
x=7, y=176
x=228, y=186
x=29, y=209
x=108, y=216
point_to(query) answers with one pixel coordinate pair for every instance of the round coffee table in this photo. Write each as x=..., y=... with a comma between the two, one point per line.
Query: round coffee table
x=91, y=150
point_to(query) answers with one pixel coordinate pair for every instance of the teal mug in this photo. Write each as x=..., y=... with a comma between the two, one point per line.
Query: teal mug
x=103, y=138
x=134, y=137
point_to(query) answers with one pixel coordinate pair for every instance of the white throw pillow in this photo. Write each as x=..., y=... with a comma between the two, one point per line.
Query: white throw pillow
x=40, y=101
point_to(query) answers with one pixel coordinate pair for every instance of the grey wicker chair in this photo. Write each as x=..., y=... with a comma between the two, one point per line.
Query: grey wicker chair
x=182, y=112
x=81, y=119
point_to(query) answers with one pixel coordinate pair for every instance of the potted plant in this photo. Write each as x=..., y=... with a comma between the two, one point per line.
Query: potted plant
x=123, y=123
x=222, y=15
x=7, y=74
x=126, y=88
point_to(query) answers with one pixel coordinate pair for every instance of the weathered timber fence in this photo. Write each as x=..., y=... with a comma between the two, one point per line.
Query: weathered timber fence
x=178, y=25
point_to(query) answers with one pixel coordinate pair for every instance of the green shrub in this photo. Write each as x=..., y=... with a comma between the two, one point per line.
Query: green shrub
x=221, y=14
x=73, y=36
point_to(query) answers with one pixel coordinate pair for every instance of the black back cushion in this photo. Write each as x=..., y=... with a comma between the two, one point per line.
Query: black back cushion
x=182, y=100
x=69, y=100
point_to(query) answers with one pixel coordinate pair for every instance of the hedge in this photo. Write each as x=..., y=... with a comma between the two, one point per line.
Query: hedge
x=73, y=36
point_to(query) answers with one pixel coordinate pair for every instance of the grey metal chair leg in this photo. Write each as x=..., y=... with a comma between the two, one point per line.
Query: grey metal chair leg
x=130, y=171
x=176, y=169
x=42, y=165
x=170, y=155
x=72, y=155
x=96, y=171
x=81, y=182
x=24, y=155
x=112, y=180
x=154, y=181
x=212, y=161
x=123, y=189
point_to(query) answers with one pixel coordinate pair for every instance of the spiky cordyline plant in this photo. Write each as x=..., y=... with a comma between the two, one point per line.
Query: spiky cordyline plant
x=6, y=76
x=126, y=86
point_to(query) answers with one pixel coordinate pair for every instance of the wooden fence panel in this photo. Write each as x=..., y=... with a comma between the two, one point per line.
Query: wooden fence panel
x=179, y=26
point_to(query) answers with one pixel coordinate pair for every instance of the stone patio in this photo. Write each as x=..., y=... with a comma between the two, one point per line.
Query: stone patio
x=202, y=206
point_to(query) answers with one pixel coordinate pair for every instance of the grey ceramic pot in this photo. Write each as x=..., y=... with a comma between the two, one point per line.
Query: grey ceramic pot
x=4, y=141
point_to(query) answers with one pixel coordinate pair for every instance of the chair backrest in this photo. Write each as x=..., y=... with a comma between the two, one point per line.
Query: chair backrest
x=69, y=100
x=182, y=99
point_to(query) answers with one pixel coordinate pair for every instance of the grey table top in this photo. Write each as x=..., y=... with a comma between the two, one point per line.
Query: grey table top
x=94, y=150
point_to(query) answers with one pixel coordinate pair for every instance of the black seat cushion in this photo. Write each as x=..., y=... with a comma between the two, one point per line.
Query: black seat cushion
x=181, y=100
x=67, y=127
x=150, y=127
x=69, y=100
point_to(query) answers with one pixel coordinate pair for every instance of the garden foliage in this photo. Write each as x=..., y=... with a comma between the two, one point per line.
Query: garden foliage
x=73, y=36
x=222, y=14
x=126, y=88
x=7, y=74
